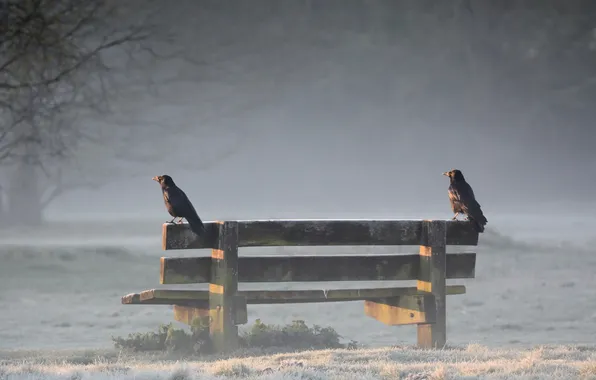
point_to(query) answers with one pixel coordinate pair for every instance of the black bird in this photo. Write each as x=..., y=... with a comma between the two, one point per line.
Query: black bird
x=178, y=204
x=463, y=200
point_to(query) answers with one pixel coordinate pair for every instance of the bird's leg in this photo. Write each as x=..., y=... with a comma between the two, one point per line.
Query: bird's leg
x=180, y=221
x=455, y=216
x=171, y=221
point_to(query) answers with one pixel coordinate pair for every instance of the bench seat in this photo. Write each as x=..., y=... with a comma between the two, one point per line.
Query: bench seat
x=200, y=298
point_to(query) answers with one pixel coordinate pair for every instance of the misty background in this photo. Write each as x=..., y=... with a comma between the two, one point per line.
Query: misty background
x=318, y=109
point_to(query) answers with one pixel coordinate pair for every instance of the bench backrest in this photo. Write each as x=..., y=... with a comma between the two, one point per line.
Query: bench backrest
x=224, y=238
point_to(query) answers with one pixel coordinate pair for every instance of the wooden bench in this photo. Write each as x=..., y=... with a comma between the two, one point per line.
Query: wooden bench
x=423, y=305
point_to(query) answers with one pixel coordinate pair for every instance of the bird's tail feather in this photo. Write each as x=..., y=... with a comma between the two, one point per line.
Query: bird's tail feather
x=479, y=222
x=196, y=225
x=478, y=227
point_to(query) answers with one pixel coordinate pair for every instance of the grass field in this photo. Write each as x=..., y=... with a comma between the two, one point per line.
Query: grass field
x=529, y=313
x=469, y=362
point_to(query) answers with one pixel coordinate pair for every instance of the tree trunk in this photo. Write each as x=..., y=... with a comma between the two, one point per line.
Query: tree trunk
x=24, y=201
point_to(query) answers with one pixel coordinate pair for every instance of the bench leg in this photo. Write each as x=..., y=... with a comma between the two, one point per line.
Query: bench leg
x=432, y=279
x=223, y=289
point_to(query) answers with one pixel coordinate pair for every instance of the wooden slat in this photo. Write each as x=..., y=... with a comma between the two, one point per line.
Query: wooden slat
x=433, y=264
x=258, y=233
x=240, y=310
x=192, y=270
x=132, y=299
x=188, y=314
x=404, y=310
x=200, y=298
x=184, y=237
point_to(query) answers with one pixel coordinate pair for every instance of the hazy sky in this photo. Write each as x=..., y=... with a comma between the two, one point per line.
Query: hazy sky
x=352, y=112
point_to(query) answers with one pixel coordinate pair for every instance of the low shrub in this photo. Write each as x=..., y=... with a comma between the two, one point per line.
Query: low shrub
x=296, y=335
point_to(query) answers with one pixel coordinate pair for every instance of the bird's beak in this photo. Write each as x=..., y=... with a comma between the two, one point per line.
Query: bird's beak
x=155, y=179
x=446, y=173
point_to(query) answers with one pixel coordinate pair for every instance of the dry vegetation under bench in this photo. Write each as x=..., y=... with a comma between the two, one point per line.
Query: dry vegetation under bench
x=294, y=336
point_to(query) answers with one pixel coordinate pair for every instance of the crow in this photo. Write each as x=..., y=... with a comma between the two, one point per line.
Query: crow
x=463, y=200
x=178, y=204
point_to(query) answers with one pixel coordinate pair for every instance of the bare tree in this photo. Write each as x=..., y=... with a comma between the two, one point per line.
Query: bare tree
x=189, y=111
x=77, y=101
x=53, y=71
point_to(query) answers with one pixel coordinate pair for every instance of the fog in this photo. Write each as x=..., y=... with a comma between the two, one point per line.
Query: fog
x=335, y=109
x=352, y=110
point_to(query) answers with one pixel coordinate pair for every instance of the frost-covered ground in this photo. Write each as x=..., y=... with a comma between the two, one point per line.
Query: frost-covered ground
x=469, y=362
x=61, y=289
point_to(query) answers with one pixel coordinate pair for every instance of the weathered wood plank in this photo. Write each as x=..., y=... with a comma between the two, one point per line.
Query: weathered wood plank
x=240, y=310
x=132, y=299
x=191, y=270
x=185, y=270
x=188, y=314
x=200, y=298
x=433, y=262
x=255, y=233
x=329, y=232
x=404, y=310
x=180, y=235
x=223, y=288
